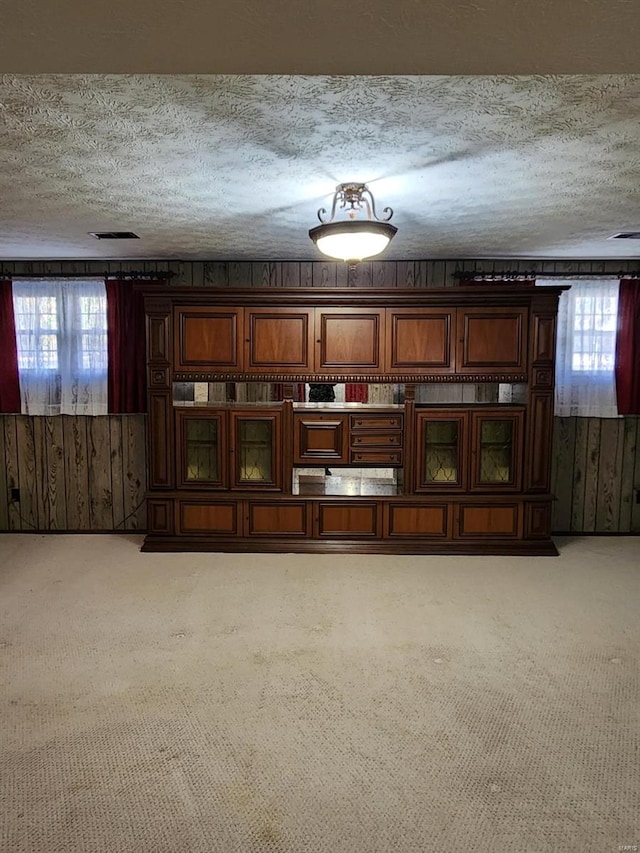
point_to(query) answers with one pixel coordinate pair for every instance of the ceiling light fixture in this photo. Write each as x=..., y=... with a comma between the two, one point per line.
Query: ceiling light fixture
x=353, y=239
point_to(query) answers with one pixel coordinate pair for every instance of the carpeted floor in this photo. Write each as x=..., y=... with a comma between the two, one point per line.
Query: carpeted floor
x=190, y=703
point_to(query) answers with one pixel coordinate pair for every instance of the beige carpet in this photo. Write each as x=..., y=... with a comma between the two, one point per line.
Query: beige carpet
x=209, y=702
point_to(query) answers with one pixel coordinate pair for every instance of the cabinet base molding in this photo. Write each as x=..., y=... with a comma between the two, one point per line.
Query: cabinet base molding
x=532, y=548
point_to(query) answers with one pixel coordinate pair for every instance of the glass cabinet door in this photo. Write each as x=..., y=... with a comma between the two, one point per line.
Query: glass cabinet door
x=201, y=440
x=441, y=451
x=496, y=450
x=256, y=450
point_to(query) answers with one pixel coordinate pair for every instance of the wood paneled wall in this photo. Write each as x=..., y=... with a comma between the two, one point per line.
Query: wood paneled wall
x=596, y=475
x=73, y=473
x=89, y=473
x=315, y=273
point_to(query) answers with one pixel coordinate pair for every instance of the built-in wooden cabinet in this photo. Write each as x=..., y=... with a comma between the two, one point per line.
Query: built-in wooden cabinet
x=279, y=340
x=492, y=339
x=349, y=340
x=302, y=341
x=496, y=450
x=467, y=478
x=418, y=341
x=320, y=438
x=469, y=449
x=202, y=455
x=442, y=438
x=207, y=338
x=256, y=449
x=222, y=449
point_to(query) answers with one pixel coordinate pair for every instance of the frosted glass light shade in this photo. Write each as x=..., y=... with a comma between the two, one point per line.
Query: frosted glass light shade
x=352, y=241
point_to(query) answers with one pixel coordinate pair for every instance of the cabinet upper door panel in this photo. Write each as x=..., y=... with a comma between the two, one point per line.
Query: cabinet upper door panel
x=349, y=340
x=278, y=340
x=492, y=340
x=420, y=340
x=207, y=338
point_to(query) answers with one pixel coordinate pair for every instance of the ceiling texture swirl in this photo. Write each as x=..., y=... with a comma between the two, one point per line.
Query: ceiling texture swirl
x=236, y=166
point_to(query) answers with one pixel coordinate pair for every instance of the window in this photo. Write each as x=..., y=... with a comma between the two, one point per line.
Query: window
x=61, y=337
x=586, y=348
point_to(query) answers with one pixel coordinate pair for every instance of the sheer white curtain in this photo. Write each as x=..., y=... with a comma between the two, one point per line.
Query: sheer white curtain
x=586, y=347
x=61, y=336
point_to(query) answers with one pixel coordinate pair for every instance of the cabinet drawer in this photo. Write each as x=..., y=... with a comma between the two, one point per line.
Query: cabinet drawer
x=278, y=519
x=478, y=521
x=219, y=519
x=375, y=439
x=417, y=520
x=349, y=519
x=377, y=457
x=376, y=422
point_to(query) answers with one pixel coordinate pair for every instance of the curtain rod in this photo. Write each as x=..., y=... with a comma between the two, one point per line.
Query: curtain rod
x=527, y=275
x=134, y=274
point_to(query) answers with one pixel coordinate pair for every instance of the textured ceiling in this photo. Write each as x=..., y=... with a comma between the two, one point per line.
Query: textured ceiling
x=235, y=167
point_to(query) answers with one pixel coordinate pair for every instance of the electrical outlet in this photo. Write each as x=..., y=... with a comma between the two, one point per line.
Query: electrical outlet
x=14, y=496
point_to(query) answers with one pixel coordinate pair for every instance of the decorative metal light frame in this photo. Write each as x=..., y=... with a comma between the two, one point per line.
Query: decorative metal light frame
x=353, y=239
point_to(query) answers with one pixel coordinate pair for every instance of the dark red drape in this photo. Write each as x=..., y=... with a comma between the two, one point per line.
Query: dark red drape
x=126, y=347
x=356, y=392
x=628, y=348
x=9, y=381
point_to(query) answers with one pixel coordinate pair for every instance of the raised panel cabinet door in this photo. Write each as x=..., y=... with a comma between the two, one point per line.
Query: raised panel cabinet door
x=349, y=520
x=256, y=450
x=278, y=340
x=441, y=458
x=492, y=340
x=496, y=450
x=424, y=521
x=221, y=518
x=207, y=339
x=319, y=438
x=278, y=519
x=418, y=341
x=488, y=521
x=202, y=449
x=349, y=340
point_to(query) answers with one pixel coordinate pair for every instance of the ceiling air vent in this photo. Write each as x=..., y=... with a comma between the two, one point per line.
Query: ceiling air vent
x=626, y=235
x=114, y=235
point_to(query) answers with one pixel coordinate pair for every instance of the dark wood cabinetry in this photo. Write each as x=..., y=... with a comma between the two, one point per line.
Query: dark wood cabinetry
x=207, y=338
x=256, y=449
x=279, y=340
x=349, y=340
x=470, y=478
x=496, y=450
x=420, y=340
x=320, y=438
x=202, y=449
x=492, y=339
